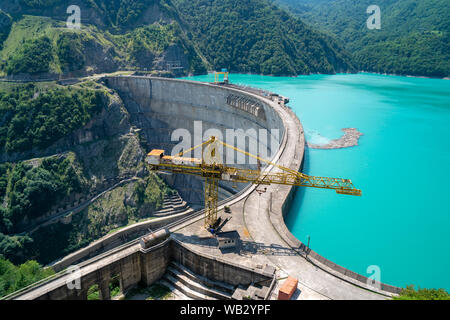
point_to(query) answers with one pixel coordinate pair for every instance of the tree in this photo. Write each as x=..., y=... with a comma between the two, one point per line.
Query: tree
x=13, y=278
x=33, y=57
x=410, y=293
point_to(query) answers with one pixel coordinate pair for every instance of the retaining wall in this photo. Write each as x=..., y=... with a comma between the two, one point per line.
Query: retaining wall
x=217, y=269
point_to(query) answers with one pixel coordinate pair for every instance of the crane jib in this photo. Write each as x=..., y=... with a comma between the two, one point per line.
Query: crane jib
x=213, y=173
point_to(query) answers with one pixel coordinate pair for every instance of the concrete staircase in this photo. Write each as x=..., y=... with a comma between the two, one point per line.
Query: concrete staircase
x=251, y=292
x=172, y=205
x=180, y=295
x=195, y=286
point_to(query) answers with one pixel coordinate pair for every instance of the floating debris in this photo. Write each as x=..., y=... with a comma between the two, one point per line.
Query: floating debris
x=349, y=139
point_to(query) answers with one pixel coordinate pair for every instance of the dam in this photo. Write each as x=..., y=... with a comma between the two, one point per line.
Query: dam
x=267, y=250
x=160, y=107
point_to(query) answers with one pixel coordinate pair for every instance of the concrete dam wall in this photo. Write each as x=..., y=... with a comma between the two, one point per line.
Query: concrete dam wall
x=164, y=108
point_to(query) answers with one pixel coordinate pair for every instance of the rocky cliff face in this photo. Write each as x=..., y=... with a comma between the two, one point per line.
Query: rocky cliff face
x=107, y=156
x=112, y=121
x=144, y=35
x=106, y=149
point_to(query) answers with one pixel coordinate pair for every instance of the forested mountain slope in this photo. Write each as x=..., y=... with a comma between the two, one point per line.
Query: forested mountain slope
x=413, y=40
x=114, y=35
x=244, y=36
x=59, y=147
x=256, y=36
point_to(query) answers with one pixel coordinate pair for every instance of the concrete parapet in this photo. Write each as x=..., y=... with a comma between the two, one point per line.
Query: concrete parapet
x=115, y=239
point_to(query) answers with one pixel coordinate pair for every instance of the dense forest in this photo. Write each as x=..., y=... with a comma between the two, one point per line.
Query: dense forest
x=30, y=191
x=5, y=26
x=258, y=37
x=13, y=278
x=34, y=56
x=34, y=190
x=413, y=39
x=251, y=36
x=32, y=118
x=117, y=14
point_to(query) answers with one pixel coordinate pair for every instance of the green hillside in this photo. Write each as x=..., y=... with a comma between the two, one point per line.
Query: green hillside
x=114, y=35
x=13, y=277
x=244, y=36
x=86, y=130
x=258, y=37
x=413, y=40
x=39, y=45
x=33, y=118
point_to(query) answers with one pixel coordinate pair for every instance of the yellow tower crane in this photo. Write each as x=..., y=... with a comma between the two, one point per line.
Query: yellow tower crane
x=224, y=73
x=211, y=168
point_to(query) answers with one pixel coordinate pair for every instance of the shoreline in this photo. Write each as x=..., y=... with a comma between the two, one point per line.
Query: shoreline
x=9, y=80
x=401, y=75
x=329, y=74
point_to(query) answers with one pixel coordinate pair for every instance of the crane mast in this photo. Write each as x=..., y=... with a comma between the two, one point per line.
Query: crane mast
x=213, y=171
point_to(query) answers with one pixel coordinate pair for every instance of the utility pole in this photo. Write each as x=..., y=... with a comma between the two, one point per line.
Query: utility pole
x=260, y=192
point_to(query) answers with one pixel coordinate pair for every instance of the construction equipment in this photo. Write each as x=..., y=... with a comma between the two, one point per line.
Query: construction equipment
x=211, y=168
x=217, y=75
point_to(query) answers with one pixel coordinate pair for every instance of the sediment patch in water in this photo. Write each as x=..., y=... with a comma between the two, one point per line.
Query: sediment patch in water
x=349, y=139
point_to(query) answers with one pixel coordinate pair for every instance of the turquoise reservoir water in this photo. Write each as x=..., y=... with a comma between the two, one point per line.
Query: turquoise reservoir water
x=402, y=221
